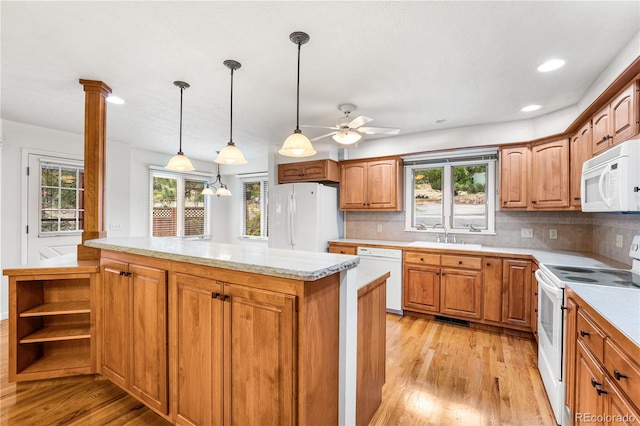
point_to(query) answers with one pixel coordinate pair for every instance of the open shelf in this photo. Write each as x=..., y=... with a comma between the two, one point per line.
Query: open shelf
x=58, y=333
x=58, y=308
x=61, y=361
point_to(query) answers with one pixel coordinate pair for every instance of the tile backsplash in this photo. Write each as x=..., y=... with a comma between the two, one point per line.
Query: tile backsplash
x=576, y=231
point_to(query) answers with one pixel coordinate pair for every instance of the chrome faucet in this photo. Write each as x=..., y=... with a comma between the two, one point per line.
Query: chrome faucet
x=446, y=233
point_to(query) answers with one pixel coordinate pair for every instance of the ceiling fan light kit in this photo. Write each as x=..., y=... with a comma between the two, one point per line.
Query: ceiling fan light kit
x=180, y=162
x=297, y=145
x=231, y=154
x=347, y=136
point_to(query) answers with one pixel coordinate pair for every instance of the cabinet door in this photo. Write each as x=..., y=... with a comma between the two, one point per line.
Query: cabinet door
x=492, y=293
x=382, y=185
x=514, y=175
x=600, y=130
x=259, y=348
x=290, y=172
x=199, y=351
x=571, y=318
x=461, y=293
x=619, y=409
x=624, y=115
x=550, y=175
x=149, y=373
x=516, y=292
x=421, y=289
x=353, y=184
x=580, y=151
x=589, y=379
x=116, y=322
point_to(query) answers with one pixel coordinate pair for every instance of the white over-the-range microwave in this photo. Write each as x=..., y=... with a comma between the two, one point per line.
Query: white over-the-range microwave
x=611, y=180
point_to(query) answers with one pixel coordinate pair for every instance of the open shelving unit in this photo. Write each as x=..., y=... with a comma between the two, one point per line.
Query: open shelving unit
x=52, y=322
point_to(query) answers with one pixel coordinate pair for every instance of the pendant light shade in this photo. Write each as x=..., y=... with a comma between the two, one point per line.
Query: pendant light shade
x=221, y=191
x=297, y=145
x=180, y=162
x=231, y=154
x=347, y=136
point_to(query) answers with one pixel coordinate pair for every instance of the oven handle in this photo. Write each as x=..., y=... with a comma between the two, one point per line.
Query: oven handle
x=543, y=281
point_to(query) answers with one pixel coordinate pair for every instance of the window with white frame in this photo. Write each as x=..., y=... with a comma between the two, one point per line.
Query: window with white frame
x=177, y=206
x=61, y=198
x=255, y=205
x=454, y=191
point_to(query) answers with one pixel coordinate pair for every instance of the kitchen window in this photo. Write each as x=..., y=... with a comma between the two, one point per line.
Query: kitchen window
x=451, y=191
x=61, y=198
x=255, y=205
x=177, y=206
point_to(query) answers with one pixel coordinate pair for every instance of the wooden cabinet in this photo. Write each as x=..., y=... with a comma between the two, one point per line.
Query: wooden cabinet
x=461, y=293
x=492, y=290
x=51, y=322
x=549, y=181
x=579, y=151
x=514, y=177
x=309, y=171
x=616, y=121
x=371, y=184
x=601, y=372
x=421, y=290
x=343, y=248
x=134, y=329
x=516, y=293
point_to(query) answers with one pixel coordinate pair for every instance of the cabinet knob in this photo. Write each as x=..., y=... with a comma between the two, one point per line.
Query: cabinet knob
x=618, y=375
x=422, y=259
x=488, y=263
x=224, y=297
x=459, y=262
x=535, y=310
x=584, y=333
x=604, y=138
x=534, y=202
x=215, y=295
x=577, y=198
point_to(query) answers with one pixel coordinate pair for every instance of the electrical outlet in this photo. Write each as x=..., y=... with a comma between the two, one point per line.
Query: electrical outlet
x=619, y=241
x=379, y=227
x=553, y=234
x=115, y=227
x=526, y=233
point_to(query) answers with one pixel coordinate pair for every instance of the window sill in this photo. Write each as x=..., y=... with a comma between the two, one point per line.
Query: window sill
x=450, y=231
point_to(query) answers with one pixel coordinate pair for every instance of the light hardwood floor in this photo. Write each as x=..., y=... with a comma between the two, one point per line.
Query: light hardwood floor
x=437, y=374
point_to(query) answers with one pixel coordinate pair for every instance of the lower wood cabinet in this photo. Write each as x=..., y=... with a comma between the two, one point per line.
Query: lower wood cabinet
x=461, y=293
x=235, y=354
x=516, y=292
x=421, y=288
x=134, y=330
x=589, y=391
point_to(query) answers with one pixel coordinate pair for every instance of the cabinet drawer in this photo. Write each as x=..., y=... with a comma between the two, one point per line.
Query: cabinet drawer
x=624, y=371
x=591, y=335
x=421, y=258
x=343, y=249
x=462, y=262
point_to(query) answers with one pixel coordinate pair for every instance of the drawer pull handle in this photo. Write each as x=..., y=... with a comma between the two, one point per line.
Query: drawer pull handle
x=459, y=262
x=422, y=259
x=215, y=295
x=601, y=391
x=584, y=333
x=595, y=383
x=618, y=375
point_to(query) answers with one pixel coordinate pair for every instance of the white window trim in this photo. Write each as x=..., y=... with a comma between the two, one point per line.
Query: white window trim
x=264, y=185
x=447, y=200
x=158, y=171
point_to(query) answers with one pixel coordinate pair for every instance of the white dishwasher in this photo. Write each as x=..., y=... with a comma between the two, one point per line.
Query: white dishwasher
x=381, y=260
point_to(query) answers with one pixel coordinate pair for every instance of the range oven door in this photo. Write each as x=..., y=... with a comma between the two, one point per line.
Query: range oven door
x=550, y=341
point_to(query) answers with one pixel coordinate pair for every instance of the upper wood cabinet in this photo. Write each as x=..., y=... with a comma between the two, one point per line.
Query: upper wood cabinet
x=371, y=184
x=535, y=176
x=549, y=181
x=514, y=173
x=309, y=171
x=579, y=151
x=616, y=121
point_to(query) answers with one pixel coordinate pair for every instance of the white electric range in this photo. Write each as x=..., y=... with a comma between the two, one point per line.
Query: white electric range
x=551, y=282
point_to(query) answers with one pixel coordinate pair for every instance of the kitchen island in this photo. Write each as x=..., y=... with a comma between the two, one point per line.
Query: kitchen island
x=207, y=333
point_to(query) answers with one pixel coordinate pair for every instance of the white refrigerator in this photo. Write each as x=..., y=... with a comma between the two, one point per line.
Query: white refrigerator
x=304, y=216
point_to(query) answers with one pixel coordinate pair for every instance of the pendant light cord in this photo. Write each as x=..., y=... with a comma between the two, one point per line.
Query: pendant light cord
x=231, y=111
x=298, y=92
x=181, y=91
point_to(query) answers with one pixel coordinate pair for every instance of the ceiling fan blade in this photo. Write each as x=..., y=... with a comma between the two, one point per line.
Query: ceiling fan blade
x=319, y=127
x=359, y=121
x=323, y=136
x=379, y=130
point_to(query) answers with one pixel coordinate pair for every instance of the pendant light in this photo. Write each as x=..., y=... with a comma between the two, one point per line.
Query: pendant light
x=221, y=191
x=298, y=145
x=231, y=154
x=180, y=162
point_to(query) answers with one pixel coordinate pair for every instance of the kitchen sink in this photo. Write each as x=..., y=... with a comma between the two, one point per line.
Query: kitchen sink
x=450, y=246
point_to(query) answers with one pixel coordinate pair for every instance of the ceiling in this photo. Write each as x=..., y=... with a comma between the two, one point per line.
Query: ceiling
x=405, y=64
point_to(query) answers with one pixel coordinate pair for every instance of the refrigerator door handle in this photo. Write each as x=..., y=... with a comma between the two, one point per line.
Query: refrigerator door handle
x=289, y=208
x=292, y=222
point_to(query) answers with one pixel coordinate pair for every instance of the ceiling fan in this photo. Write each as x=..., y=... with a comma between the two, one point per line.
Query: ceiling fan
x=348, y=131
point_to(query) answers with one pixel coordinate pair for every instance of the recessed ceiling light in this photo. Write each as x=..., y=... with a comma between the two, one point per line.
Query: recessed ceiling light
x=441, y=120
x=530, y=108
x=551, y=65
x=114, y=100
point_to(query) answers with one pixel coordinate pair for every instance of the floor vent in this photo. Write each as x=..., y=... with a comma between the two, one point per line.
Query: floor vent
x=452, y=321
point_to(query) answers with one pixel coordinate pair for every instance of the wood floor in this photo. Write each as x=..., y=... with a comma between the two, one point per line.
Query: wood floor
x=437, y=374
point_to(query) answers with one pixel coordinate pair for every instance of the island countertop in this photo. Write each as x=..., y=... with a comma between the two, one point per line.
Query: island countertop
x=299, y=265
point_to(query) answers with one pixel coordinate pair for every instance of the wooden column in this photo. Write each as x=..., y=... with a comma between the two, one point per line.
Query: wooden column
x=95, y=126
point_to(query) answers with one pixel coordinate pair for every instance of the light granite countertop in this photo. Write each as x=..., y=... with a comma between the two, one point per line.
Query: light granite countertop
x=298, y=265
